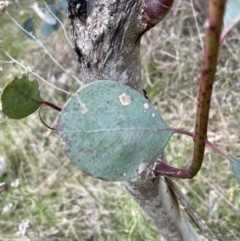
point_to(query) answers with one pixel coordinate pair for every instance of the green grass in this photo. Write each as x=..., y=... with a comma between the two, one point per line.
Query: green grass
x=60, y=201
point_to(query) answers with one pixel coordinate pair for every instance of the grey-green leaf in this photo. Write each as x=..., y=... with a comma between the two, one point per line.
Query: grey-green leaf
x=235, y=164
x=232, y=14
x=110, y=130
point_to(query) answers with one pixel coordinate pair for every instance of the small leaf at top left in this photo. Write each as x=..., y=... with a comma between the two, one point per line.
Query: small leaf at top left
x=21, y=98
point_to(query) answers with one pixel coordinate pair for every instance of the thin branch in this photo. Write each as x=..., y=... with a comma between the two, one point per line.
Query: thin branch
x=55, y=107
x=163, y=166
x=211, y=47
x=41, y=119
x=207, y=142
x=35, y=74
x=6, y=62
x=209, y=65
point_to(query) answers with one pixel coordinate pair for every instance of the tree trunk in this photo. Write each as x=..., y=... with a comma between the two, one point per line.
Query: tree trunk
x=106, y=36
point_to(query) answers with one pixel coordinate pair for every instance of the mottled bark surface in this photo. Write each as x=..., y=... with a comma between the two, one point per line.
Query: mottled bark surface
x=161, y=205
x=106, y=36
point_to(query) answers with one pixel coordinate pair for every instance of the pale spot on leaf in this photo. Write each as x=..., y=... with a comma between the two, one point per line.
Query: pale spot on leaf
x=83, y=106
x=125, y=99
x=145, y=105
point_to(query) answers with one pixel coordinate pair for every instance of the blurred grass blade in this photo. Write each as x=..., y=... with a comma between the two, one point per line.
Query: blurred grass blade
x=235, y=163
x=21, y=98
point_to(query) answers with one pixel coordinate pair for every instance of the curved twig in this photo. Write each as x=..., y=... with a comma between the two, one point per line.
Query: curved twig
x=41, y=119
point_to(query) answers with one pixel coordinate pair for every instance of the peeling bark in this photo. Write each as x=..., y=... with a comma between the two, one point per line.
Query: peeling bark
x=106, y=37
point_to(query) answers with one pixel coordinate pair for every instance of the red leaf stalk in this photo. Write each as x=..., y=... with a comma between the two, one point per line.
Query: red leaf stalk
x=213, y=28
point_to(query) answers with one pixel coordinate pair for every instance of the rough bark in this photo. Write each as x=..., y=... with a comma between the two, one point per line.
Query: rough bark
x=161, y=205
x=106, y=36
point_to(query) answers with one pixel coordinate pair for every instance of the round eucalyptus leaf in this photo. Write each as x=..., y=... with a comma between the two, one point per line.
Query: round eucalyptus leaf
x=111, y=130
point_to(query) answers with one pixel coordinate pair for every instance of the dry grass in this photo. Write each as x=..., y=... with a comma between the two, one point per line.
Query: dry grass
x=64, y=204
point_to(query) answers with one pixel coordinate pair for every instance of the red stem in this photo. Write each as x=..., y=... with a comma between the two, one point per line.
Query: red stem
x=171, y=171
x=51, y=105
x=207, y=142
x=211, y=46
